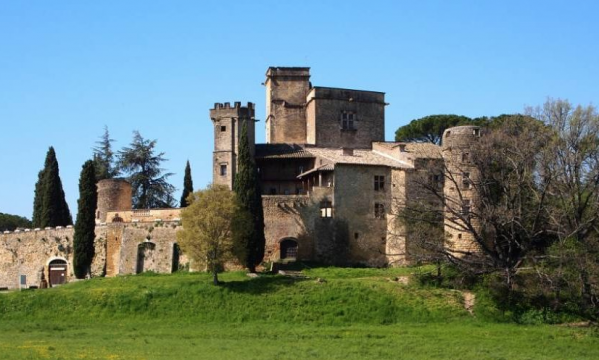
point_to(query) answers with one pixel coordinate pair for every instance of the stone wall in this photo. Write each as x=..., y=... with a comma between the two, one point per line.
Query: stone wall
x=325, y=107
x=286, y=91
x=144, y=215
x=113, y=194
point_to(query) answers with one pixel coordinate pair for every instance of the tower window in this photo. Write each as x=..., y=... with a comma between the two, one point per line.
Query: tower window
x=379, y=183
x=223, y=128
x=476, y=132
x=348, y=120
x=466, y=208
x=379, y=210
x=223, y=169
x=326, y=209
x=466, y=180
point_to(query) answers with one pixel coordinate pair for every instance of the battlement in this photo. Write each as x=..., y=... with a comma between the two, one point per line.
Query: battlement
x=236, y=105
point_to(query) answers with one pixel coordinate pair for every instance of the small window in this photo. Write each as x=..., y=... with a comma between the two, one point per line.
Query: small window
x=356, y=236
x=223, y=128
x=459, y=236
x=476, y=132
x=326, y=209
x=466, y=180
x=379, y=211
x=223, y=169
x=447, y=134
x=348, y=120
x=379, y=183
x=466, y=207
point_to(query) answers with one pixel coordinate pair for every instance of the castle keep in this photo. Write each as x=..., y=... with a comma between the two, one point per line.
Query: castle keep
x=331, y=188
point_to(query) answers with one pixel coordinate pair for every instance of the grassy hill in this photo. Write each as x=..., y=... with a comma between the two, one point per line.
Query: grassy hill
x=331, y=314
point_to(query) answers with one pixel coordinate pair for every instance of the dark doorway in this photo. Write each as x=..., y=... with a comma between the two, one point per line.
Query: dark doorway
x=145, y=257
x=57, y=270
x=176, y=253
x=288, y=249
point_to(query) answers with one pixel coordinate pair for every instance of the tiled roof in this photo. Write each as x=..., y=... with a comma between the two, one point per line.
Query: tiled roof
x=325, y=167
x=359, y=157
x=281, y=151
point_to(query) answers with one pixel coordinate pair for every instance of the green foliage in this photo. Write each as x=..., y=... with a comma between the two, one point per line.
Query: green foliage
x=430, y=128
x=83, y=241
x=104, y=158
x=187, y=186
x=141, y=164
x=250, y=240
x=11, y=222
x=207, y=232
x=50, y=207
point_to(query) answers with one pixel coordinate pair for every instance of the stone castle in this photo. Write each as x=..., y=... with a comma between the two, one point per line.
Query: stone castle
x=331, y=188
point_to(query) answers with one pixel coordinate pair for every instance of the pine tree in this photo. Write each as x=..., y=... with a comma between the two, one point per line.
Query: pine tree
x=85, y=226
x=36, y=219
x=104, y=158
x=248, y=192
x=55, y=210
x=187, y=185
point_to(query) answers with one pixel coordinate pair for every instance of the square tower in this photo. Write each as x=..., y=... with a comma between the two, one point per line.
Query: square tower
x=286, y=92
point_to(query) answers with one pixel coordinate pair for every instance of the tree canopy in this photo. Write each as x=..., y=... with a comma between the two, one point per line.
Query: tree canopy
x=50, y=206
x=10, y=222
x=187, y=185
x=85, y=225
x=247, y=190
x=148, y=180
x=207, y=232
x=104, y=157
x=429, y=128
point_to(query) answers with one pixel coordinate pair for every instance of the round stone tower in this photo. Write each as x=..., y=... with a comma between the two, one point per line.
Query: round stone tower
x=461, y=176
x=113, y=195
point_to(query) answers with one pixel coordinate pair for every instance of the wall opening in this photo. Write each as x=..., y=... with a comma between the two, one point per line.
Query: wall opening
x=289, y=249
x=176, y=257
x=145, y=257
x=57, y=272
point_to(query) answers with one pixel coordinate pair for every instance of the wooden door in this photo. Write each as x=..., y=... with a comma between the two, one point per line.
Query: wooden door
x=58, y=272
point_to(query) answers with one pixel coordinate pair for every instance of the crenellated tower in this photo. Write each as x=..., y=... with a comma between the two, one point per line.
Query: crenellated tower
x=228, y=121
x=286, y=92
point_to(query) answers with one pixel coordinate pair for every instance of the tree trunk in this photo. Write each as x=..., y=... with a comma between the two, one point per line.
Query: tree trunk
x=215, y=278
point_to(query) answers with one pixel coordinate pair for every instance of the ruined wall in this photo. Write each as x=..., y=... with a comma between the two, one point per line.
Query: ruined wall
x=286, y=91
x=324, y=122
x=354, y=205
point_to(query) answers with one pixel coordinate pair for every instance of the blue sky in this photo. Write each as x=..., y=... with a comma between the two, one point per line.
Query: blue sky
x=67, y=68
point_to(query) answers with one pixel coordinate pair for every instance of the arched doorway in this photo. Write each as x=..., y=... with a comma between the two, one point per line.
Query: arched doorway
x=145, y=257
x=176, y=257
x=57, y=272
x=289, y=249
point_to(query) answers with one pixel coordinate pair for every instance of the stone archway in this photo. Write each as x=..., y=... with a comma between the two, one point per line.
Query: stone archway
x=57, y=272
x=289, y=249
x=145, y=257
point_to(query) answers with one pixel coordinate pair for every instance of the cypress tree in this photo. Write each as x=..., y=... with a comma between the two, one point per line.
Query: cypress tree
x=36, y=219
x=187, y=185
x=55, y=210
x=86, y=223
x=249, y=195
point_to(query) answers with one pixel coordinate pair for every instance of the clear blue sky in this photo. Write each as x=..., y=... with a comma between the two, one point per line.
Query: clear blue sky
x=67, y=68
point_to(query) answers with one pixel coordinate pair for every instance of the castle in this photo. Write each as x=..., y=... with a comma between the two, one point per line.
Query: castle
x=331, y=188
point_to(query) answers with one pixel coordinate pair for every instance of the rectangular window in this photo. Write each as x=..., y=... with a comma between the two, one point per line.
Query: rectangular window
x=223, y=169
x=348, y=120
x=466, y=207
x=379, y=211
x=466, y=180
x=379, y=183
x=326, y=209
x=223, y=128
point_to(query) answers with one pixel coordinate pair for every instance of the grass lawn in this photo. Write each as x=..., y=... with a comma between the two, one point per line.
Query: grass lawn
x=353, y=314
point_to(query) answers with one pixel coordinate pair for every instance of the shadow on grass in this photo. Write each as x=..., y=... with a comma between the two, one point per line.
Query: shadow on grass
x=262, y=284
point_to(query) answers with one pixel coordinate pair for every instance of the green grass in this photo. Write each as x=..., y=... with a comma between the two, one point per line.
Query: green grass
x=353, y=314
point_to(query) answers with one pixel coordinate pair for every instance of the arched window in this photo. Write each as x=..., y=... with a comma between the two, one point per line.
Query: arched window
x=288, y=249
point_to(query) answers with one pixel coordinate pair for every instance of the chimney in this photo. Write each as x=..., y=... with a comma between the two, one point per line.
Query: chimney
x=348, y=152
